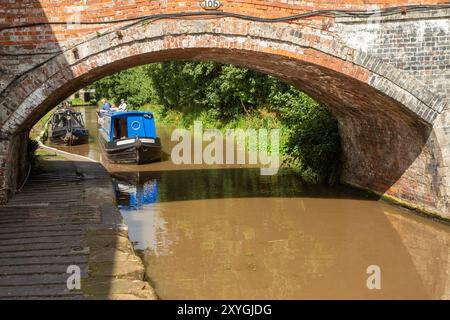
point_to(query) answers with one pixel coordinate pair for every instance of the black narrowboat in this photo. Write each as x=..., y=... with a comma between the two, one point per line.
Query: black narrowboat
x=67, y=126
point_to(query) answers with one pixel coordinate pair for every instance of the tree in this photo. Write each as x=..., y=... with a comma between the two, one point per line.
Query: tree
x=133, y=85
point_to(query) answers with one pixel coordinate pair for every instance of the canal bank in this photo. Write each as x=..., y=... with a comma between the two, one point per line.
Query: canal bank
x=65, y=218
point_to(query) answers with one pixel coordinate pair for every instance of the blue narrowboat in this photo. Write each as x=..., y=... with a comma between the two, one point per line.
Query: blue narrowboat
x=129, y=137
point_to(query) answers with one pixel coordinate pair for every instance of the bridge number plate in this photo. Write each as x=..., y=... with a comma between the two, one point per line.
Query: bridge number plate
x=210, y=4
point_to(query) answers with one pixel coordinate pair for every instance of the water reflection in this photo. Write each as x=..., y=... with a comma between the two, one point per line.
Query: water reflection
x=134, y=197
x=180, y=185
x=428, y=244
x=221, y=234
x=229, y=233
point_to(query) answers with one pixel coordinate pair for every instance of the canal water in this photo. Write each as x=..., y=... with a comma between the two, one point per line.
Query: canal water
x=226, y=232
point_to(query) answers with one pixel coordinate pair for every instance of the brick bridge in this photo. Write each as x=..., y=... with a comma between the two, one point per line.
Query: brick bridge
x=382, y=67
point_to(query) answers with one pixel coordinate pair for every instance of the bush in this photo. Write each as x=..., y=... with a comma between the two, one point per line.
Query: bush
x=311, y=140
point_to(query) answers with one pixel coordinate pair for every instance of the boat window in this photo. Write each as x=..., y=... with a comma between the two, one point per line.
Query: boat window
x=107, y=124
x=120, y=128
x=65, y=119
x=59, y=121
x=76, y=120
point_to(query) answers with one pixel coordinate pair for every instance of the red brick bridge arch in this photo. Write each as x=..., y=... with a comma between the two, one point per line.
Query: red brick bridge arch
x=389, y=121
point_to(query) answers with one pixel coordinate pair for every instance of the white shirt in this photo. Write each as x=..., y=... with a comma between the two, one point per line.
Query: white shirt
x=123, y=107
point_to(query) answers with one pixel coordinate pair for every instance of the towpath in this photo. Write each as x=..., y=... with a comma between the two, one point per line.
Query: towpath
x=64, y=216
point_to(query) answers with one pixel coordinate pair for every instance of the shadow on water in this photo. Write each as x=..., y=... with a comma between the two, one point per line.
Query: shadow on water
x=249, y=236
x=221, y=234
x=139, y=188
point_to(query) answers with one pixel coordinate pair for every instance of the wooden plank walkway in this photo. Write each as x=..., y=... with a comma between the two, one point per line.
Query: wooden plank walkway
x=66, y=215
x=41, y=231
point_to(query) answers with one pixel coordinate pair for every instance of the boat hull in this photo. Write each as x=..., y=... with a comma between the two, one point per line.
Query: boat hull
x=137, y=152
x=67, y=138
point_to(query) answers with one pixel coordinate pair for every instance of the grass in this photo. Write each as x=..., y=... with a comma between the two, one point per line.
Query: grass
x=169, y=118
x=40, y=157
x=44, y=153
x=77, y=102
x=40, y=129
x=260, y=118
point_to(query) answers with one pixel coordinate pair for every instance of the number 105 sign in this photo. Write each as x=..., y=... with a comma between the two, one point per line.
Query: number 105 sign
x=210, y=4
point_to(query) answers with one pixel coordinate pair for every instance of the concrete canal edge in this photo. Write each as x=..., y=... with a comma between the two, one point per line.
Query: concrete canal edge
x=408, y=207
x=114, y=270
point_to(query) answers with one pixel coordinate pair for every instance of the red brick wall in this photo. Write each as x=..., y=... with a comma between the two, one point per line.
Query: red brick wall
x=30, y=11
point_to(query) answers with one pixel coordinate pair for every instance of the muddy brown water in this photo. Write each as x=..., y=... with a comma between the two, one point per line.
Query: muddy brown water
x=226, y=232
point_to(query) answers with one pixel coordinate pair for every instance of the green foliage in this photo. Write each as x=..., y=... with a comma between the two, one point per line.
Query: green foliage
x=133, y=85
x=310, y=135
x=40, y=129
x=193, y=87
x=77, y=102
x=226, y=96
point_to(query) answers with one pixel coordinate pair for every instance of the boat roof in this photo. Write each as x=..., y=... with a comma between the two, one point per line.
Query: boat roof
x=65, y=111
x=115, y=114
x=61, y=110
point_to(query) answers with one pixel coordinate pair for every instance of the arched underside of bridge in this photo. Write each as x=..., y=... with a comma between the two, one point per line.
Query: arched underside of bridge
x=387, y=119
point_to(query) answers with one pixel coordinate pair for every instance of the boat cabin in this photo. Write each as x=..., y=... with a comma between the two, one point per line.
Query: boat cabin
x=67, y=126
x=129, y=137
x=66, y=118
x=125, y=125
